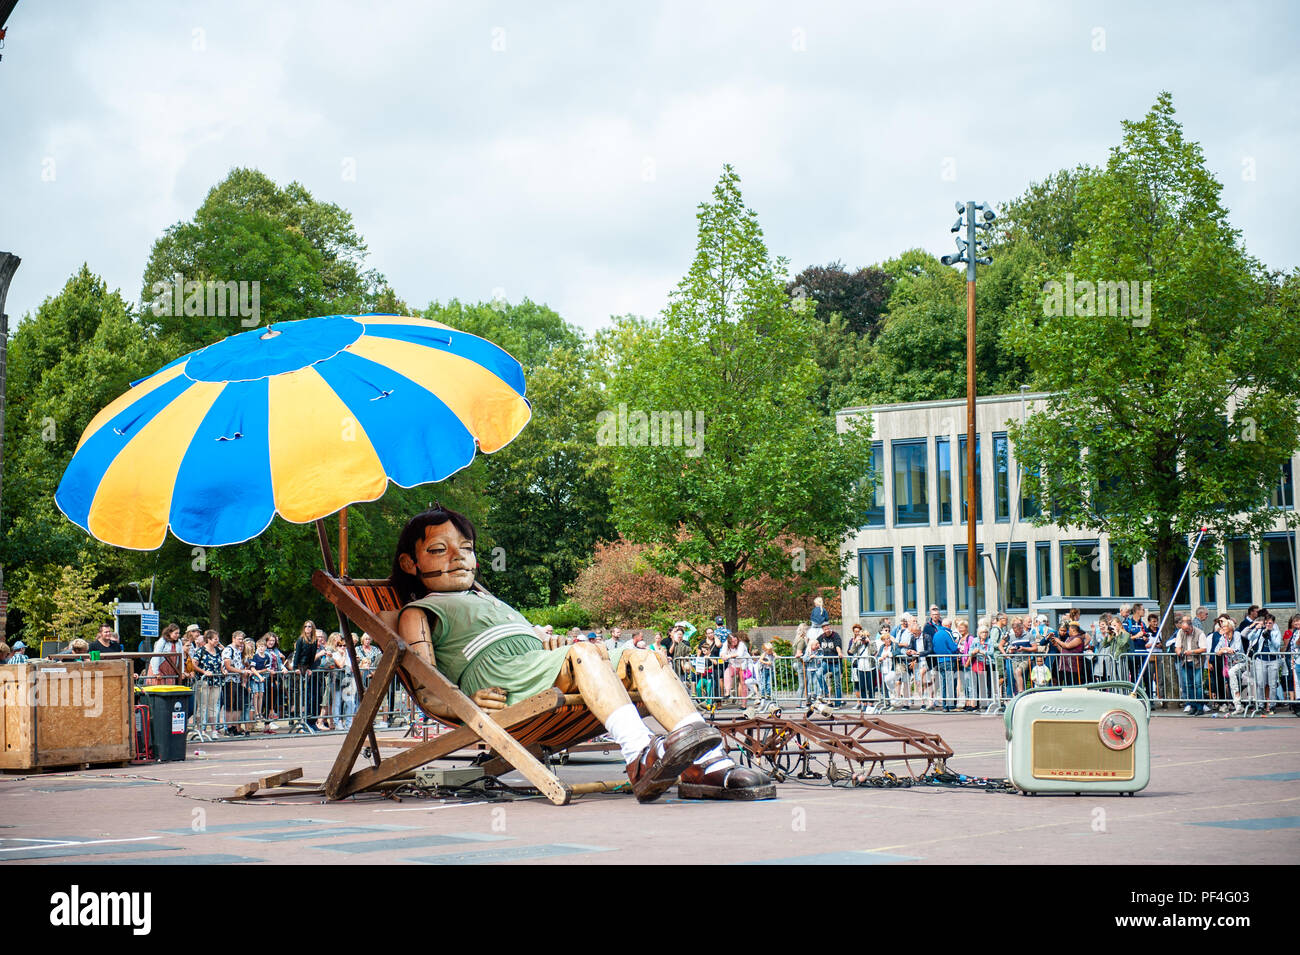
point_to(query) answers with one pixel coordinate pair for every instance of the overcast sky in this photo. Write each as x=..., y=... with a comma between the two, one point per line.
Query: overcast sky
x=558, y=151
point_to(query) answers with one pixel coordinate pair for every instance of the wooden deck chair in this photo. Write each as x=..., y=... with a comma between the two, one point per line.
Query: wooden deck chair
x=546, y=723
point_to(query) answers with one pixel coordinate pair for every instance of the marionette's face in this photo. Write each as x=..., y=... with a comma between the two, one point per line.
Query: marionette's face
x=444, y=560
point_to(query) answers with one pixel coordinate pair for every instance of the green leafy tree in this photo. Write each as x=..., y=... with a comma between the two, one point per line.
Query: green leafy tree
x=306, y=256
x=78, y=351
x=80, y=607
x=528, y=331
x=62, y=603
x=858, y=297
x=308, y=259
x=920, y=354
x=755, y=460
x=1177, y=409
x=548, y=490
x=1049, y=216
x=546, y=494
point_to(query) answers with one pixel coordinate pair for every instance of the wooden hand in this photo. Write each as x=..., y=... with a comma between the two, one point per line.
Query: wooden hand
x=490, y=698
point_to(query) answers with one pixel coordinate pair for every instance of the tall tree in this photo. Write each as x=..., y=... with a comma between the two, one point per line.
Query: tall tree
x=305, y=255
x=848, y=308
x=920, y=354
x=858, y=297
x=75, y=354
x=1174, y=390
x=528, y=331
x=736, y=455
x=1049, y=215
x=307, y=258
x=546, y=494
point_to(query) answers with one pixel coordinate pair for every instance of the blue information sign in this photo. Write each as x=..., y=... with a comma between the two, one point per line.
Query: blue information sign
x=149, y=623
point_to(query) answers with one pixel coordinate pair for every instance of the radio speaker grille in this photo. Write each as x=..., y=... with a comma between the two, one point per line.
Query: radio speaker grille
x=1071, y=750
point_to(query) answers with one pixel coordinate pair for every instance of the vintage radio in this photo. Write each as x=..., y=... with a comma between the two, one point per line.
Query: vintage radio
x=1083, y=739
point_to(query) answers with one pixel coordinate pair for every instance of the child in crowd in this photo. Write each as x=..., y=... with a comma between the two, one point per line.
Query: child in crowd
x=1041, y=675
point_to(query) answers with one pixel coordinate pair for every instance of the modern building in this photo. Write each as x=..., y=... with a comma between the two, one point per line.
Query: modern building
x=910, y=551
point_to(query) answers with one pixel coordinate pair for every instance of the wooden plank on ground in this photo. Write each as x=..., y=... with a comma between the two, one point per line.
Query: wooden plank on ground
x=268, y=782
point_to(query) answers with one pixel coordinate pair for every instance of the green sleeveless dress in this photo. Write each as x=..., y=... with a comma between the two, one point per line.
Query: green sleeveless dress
x=481, y=642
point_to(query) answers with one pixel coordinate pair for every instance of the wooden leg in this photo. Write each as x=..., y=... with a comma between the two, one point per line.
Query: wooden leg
x=496, y=766
x=347, y=636
x=363, y=722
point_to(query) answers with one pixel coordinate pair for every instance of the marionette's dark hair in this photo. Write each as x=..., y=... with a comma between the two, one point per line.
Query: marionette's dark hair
x=409, y=586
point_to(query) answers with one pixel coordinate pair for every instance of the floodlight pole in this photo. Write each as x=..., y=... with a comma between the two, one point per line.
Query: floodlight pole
x=972, y=436
x=968, y=252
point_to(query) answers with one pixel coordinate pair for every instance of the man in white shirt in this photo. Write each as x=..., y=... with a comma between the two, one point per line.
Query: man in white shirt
x=1190, y=645
x=232, y=664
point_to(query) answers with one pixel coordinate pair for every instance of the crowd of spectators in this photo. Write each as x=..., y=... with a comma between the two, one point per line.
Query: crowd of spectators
x=936, y=663
x=250, y=686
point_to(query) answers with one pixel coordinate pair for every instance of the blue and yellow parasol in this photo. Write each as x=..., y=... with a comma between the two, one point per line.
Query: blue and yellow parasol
x=298, y=418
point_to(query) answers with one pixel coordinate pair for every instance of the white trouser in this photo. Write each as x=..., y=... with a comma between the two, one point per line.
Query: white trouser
x=1239, y=674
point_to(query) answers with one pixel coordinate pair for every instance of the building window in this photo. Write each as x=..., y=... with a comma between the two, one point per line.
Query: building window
x=1284, y=490
x=876, y=573
x=943, y=466
x=1237, y=565
x=959, y=570
x=1014, y=568
x=1209, y=592
x=1001, y=478
x=1121, y=578
x=911, y=503
x=876, y=510
x=1043, y=569
x=1029, y=506
x=1278, y=565
x=936, y=578
x=979, y=485
x=909, y=579
x=1080, y=569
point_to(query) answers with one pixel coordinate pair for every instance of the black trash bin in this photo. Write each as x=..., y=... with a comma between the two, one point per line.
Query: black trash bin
x=169, y=711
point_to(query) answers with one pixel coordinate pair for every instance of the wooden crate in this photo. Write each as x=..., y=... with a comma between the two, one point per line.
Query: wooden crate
x=55, y=713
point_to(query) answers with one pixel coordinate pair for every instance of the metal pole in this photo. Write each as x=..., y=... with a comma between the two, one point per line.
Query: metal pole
x=972, y=436
x=1160, y=629
x=8, y=265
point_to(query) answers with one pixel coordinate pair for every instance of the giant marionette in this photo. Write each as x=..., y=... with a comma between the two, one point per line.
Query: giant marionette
x=494, y=655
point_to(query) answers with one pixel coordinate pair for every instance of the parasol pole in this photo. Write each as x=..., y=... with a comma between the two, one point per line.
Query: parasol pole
x=343, y=542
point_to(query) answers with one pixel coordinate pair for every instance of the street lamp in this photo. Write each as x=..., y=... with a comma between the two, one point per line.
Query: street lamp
x=978, y=216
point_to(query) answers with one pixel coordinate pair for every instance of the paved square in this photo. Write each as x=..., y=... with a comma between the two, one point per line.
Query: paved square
x=1219, y=789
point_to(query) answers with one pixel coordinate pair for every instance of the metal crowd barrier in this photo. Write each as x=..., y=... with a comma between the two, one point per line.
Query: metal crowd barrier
x=937, y=681
x=284, y=702
x=291, y=702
